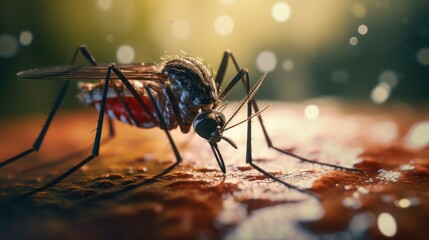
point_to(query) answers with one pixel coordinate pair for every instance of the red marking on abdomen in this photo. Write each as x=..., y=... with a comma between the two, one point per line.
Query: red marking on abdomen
x=116, y=110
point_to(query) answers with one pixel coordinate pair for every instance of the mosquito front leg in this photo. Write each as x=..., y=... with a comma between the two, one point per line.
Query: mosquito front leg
x=245, y=79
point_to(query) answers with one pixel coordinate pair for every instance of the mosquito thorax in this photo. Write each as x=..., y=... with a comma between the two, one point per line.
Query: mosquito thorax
x=208, y=124
x=191, y=81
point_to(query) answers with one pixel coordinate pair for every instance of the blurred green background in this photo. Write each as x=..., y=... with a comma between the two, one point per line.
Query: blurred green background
x=375, y=51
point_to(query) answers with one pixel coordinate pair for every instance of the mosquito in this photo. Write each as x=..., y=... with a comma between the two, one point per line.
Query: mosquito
x=179, y=92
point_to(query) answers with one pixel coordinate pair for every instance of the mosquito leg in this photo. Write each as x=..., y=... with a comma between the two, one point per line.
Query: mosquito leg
x=125, y=105
x=39, y=140
x=86, y=54
x=244, y=77
x=83, y=49
x=158, y=112
x=249, y=158
x=95, y=149
x=163, y=125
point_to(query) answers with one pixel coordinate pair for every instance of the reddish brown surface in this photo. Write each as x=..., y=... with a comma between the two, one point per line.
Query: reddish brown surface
x=198, y=201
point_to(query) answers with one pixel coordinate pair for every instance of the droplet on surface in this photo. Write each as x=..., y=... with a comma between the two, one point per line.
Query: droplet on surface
x=25, y=38
x=403, y=203
x=406, y=167
x=281, y=11
x=388, y=176
x=361, y=222
x=362, y=190
x=352, y=203
x=362, y=29
x=224, y=25
x=423, y=56
x=386, y=224
x=125, y=54
x=8, y=45
x=181, y=29
x=266, y=61
x=311, y=112
x=418, y=135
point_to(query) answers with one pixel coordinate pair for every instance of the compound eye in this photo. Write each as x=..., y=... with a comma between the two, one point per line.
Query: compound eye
x=205, y=124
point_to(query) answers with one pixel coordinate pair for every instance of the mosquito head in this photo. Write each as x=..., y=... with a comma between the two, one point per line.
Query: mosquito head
x=209, y=124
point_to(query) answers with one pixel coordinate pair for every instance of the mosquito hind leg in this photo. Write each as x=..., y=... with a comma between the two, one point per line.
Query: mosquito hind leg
x=39, y=140
x=94, y=153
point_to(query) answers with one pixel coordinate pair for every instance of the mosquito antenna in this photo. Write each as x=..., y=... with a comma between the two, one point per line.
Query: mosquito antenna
x=246, y=99
x=218, y=156
x=245, y=120
x=222, y=107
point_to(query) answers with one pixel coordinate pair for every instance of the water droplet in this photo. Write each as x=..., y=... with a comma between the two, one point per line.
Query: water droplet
x=359, y=10
x=347, y=187
x=403, y=203
x=181, y=29
x=353, y=41
x=363, y=190
x=311, y=112
x=418, y=136
x=26, y=38
x=388, y=176
x=340, y=76
x=386, y=224
x=380, y=93
x=287, y=65
x=361, y=222
x=281, y=11
x=406, y=167
x=352, y=203
x=8, y=45
x=362, y=29
x=125, y=54
x=266, y=61
x=224, y=25
x=423, y=56
x=105, y=4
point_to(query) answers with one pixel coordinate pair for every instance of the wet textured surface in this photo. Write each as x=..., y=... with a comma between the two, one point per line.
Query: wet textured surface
x=197, y=201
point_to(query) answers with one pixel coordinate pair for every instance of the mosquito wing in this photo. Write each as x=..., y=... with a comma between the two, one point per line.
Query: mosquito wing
x=88, y=72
